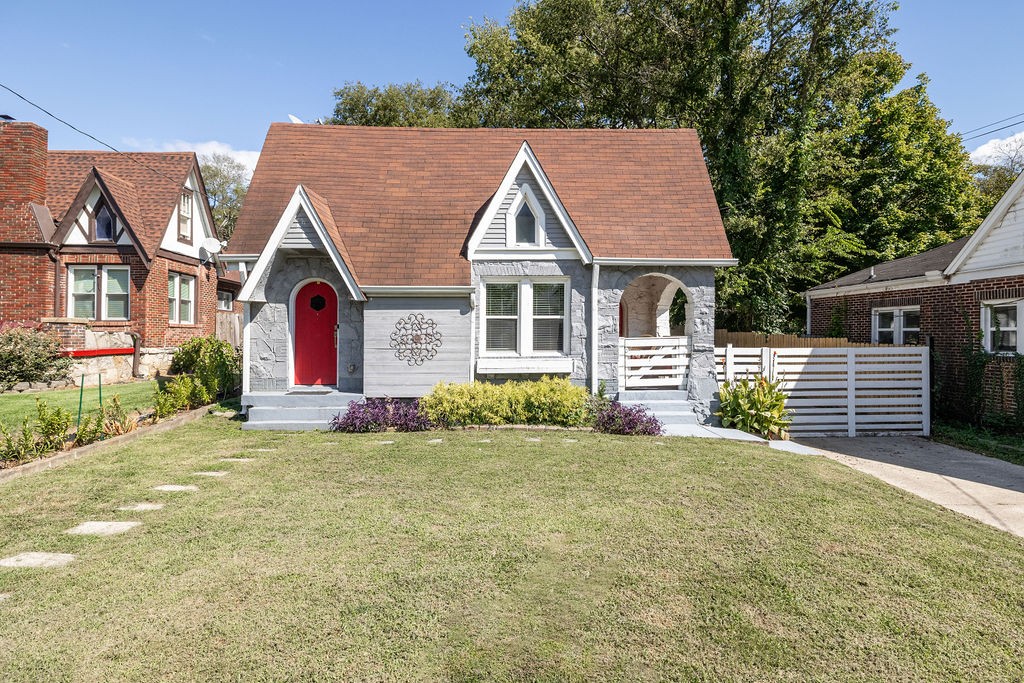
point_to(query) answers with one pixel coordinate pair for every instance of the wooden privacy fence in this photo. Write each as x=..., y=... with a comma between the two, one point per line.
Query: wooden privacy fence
x=854, y=391
x=777, y=341
x=229, y=327
x=653, y=362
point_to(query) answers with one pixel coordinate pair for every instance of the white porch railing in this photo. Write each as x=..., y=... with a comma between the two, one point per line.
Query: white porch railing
x=653, y=362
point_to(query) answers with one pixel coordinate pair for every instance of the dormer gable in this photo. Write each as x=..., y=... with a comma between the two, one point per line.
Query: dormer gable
x=997, y=247
x=99, y=215
x=525, y=219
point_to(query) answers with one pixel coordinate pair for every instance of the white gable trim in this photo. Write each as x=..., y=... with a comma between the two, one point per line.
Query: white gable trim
x=526, y=157
x=991, y=222
x=526, y=196
x=299, y=200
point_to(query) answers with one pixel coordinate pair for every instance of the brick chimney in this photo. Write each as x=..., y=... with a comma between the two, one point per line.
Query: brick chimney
x=22, y=179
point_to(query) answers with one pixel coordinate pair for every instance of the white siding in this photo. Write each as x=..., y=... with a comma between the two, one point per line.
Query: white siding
x=301, y=234
x=1003, y=246
x=201, y=229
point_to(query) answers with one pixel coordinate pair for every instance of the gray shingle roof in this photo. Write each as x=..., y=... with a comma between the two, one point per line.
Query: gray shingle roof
x=902, y=268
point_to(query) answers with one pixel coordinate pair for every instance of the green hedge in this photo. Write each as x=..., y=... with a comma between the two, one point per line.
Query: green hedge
x=549, y=401
x=30, y=356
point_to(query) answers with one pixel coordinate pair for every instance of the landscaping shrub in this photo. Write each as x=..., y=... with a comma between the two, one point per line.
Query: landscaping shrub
x=549, y=401
x=181, y=393
x=214, y=363
x=30, y=356
x=17, y=447
x=49, y=433
x=89, y=431
x=116, y=418
x=614, y=418
x=379, y=414
x=757, y=407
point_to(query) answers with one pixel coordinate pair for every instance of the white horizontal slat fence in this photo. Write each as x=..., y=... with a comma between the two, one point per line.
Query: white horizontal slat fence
x=653, y=362
x=853, y=391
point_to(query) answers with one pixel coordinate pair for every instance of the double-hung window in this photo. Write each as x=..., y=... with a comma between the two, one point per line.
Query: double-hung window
x=181, y=291
x=897, y=325
x=185, y=216
x=99, y=292
x=225, y=301
x=526, y=318
x=999, y=321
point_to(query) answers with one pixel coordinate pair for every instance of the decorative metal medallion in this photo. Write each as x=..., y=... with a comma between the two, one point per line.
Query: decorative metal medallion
x=415, y=339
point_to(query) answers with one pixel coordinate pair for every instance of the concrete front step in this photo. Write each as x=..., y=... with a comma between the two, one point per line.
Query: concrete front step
x=285, y=425
x=671, y=407
x=299, y=410
x=299, y=399
x=645, y=395
x=313, y=414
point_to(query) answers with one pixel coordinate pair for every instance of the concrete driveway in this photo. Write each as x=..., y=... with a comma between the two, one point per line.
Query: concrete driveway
x=984, y=488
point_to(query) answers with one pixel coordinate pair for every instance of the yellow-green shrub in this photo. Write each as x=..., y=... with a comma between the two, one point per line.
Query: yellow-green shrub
x=548, y=401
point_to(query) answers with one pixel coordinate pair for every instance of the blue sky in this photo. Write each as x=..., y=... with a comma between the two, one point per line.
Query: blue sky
x=210, y=76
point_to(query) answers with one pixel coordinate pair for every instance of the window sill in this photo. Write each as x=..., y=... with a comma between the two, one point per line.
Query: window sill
x=181, y=324
x=525, y=365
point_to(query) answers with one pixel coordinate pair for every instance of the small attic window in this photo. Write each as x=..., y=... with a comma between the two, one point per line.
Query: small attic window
x=185, y=216
x=526, y=225
x=103, y=225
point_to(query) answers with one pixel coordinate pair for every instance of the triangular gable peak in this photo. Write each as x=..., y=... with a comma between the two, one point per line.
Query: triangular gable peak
x=525, y=219
x=997, y=247
x=300, y=226
x=77, y=224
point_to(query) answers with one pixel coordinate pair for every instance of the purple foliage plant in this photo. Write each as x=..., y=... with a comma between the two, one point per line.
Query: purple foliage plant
x=379, y=414
x=615, y=418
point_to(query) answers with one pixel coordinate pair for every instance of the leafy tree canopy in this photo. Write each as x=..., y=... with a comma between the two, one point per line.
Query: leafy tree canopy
x=227, y=181
x=404, y=104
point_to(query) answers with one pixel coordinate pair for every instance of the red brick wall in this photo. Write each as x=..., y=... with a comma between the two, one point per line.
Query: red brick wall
x=950, y=317
x=26, y=285
x=22, y=179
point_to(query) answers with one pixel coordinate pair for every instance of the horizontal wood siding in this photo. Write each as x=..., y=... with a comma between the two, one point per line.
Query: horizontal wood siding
x=556, y=236
x=301, y=234
x=385, y=374
x=1003, y=246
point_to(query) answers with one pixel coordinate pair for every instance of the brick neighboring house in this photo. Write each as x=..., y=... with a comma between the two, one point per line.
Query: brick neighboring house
x=105, y=248
x=950, y=297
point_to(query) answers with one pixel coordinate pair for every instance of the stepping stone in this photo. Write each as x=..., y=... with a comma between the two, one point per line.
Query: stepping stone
x=534, y=439
x=102, y=528
x=570, y=440
x=176, y=487
x=264, y=450
x=4, y=596
x=37, y=560
x=237, y=459
x=436, y=441
x=217, y=473
x=659, y=443
x=384, y=443
x=484, y=441
x=142, y=507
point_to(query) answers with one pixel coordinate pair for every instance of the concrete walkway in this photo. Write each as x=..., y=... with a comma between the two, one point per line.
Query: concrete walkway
x=987, y=489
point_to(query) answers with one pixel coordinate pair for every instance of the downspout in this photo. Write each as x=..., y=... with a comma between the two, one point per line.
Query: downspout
x=594, y=326
x=52, y=253
x=137, y=344
x=807, y=299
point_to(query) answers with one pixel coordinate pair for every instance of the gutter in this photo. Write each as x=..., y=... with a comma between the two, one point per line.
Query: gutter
x=417, y=290
x=716, y=263
x=931, y=279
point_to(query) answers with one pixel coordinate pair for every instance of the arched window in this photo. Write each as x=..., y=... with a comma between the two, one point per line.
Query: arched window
x=526, y=225
x=104, y=224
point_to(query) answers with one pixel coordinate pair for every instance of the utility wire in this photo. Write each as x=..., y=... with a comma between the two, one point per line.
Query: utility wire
x=126, y=155
x=972, y=130
x=994, y=130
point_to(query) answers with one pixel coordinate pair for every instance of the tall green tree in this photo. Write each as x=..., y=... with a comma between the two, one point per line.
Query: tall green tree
x=403, y=104
x=227, y=181
x=995, y=176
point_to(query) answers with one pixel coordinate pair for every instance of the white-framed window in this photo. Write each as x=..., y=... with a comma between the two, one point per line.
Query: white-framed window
x=185, y=215
x=999, y=322
x=102, y=290
x=524, y=221
x=225, y=301
x=528, y=317
x=896, y=325
x=181, y=290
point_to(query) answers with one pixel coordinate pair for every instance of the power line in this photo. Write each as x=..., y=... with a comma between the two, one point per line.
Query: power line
x=126, y=155
x=972, y=130
x=994, y=130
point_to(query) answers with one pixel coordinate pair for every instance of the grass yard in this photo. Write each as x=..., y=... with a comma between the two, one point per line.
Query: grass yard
x=134, y=395
x=1009, y=447
x=336, y=557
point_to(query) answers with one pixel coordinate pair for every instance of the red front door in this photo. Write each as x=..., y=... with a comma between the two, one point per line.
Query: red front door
x=316, y=353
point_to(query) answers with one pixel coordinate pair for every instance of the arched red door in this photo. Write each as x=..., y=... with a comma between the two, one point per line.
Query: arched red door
x=316, y=354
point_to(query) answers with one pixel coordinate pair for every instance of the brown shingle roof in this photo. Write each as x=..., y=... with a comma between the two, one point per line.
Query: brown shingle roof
x=145, y=185
x=406, y=199
x=902, y=268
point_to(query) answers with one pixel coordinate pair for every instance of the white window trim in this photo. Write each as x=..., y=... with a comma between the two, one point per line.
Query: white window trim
x=525, y=195
x=986, y=323
x=230, y=301
x=105, y=278
x=71, y=290
x=177, y=299
x=524, y=347
x=897, y=322
x=185, y=218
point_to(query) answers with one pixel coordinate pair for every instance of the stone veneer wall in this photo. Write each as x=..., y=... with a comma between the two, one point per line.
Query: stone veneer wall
x=579, y=308
x=269, y=332
x=699, y=286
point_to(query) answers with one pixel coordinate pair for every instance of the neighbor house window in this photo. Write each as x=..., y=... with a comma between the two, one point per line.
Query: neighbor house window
x=102, y=289
x=103, y=225
x=524, y=221
x=999, y=322
x=185, y=215
x=526, y=317
x=896, y=325
x=225, y=301
x=180, y=298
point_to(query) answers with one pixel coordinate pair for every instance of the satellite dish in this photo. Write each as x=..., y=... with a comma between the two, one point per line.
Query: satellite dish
x=294, y=119
x=209, y=247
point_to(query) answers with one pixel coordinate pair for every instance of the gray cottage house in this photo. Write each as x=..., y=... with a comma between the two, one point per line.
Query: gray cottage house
x=381, y=261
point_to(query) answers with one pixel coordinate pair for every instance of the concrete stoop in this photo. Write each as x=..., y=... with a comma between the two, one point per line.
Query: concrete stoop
x=294, y=410
x=672, y=407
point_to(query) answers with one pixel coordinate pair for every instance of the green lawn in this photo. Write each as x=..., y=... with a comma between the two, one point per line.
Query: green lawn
x=1009, y=447
x=135, y=396
x=334, y=557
